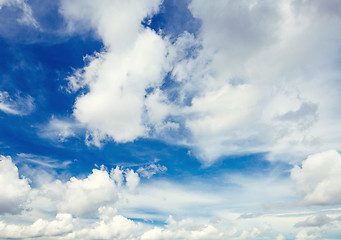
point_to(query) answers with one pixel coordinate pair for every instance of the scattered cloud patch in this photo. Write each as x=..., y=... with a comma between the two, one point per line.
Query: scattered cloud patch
x=315, y=221
x=17, y=106
x=151, y=170
x=317, y=180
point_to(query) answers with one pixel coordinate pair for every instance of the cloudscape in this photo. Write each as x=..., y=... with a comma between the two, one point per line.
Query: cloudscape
x=170, y=119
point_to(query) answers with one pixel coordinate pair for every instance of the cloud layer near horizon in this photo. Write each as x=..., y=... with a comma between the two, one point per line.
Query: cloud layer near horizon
x=61, y=209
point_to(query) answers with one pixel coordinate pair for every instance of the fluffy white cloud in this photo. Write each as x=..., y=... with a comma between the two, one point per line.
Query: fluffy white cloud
x=258, y=78
x=17, y=105
x=318, y=178
x=60, y=210
x=39, y=229
x=81, y=196
x=85, y=196
x=14, y=189
x=132, y=180
x=273, y=51
x=134, y=59
x=110, y=226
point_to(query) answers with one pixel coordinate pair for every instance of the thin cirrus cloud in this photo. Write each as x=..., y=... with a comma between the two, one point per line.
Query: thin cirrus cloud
x=17, y=105
x=26, y=16
x=240, y=90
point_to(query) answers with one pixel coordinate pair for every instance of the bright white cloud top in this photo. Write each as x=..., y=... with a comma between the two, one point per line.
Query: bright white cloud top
x=261, y=79
x=258, y=78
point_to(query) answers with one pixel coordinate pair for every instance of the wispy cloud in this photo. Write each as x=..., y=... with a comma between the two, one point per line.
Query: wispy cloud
x=42, y=161
x=27, y=16
x=17, y=105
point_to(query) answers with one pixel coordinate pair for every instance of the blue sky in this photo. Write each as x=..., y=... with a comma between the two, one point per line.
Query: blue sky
x=170, y=119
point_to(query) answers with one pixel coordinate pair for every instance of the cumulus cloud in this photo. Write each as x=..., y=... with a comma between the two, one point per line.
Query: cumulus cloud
x=317, y=180
x=83, y=197
x=110, y=226
x=14, y=189
x=255, y=79
x=40, y=228
x=258, y=51
x=106, y=205
x=17, y=106
x=133, y=60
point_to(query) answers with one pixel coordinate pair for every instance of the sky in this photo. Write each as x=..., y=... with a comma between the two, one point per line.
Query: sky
x=173, y=119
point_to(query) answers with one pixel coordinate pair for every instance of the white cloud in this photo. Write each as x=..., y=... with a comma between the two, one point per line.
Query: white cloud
x=110, y=226
x=151, y=170
x=41, y=160
x=60, y=129
x=85, y=196
x=260, y=77
x=40, y=228
x=272, y=48
x=319, y=177
x=103, y=205
x=27, y=16
x=82, y=197
x=132, y=180
x=17, y=105
x=14, y=190
x=134, y=59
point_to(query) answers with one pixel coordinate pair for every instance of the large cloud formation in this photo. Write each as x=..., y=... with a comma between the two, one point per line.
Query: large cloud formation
x=14, y=190
x=133, y=60
x=258, y=77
